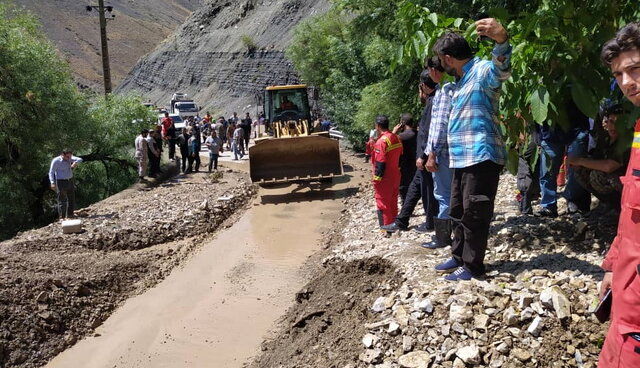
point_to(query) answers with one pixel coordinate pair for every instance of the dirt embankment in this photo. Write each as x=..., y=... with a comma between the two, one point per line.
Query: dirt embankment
x=55, y=289
x=377, y=302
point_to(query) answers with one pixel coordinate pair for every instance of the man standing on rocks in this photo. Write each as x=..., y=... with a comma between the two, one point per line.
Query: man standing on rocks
x=438, y=164
x=421, y=187
x=477, y=151
x=61, y=179
x=141, y=153
x=622, y=265
x=386, y=171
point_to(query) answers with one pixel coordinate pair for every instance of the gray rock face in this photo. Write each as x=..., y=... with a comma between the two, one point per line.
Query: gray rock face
x=208, y=59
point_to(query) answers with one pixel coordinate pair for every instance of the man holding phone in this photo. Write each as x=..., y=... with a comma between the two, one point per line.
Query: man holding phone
x=621, y=348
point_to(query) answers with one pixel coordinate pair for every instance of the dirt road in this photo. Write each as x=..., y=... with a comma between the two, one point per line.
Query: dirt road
x=217, y=308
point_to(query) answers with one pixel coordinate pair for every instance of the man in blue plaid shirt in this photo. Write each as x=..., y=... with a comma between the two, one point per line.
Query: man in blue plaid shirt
x=476, y=149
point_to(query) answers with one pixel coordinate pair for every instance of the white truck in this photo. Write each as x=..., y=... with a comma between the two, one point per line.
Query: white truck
x=183, y=106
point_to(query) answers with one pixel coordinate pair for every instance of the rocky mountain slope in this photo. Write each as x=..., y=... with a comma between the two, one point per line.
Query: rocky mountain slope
x=139, y=26
x=208, y=55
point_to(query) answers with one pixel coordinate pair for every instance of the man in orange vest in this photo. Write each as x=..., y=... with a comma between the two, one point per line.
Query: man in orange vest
x=386, y=171
x=622, y=265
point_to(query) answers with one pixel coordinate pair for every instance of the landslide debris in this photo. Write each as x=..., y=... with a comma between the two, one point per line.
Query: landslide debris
x=55, y=289
x=532, y=310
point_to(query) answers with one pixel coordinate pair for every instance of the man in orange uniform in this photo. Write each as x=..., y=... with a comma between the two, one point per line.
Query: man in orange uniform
x=622, y=265
x=386, y=171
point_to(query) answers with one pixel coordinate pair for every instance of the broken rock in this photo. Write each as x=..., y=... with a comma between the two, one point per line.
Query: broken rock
x=469, y=354
x=416, y=359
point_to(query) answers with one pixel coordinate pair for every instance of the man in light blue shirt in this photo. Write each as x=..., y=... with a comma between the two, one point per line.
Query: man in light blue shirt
x=61, y=179
x=476, y=149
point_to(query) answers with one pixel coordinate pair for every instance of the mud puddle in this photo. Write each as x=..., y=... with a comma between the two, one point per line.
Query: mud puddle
x=217, y=308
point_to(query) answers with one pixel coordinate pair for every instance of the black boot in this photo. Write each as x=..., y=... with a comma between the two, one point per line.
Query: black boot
x=442, y=236
x=380, y=220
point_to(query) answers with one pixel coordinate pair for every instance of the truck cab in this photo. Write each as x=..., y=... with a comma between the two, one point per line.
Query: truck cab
x=183, y=106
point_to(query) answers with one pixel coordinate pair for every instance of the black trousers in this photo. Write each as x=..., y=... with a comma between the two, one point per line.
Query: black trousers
x=193, y=158
x=407, y=172
x=473, y=194
x=172, y=148
x=213, y=161
x=421, y=187
x=66, y=193
x=154, y=165
x=184, y=152
x=247, y=136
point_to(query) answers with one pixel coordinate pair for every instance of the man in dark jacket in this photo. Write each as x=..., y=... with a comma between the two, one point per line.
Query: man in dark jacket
x=422, y=184
x=407, y=133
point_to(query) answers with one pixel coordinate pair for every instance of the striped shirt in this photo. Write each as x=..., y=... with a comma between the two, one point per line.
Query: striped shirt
x=440, y=115
x=474, y=135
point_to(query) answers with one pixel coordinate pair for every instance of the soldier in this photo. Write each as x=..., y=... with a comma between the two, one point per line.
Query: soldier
x=386, y=171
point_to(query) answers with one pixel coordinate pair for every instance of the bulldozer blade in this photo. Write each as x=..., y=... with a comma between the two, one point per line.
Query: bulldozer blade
x=308, y=158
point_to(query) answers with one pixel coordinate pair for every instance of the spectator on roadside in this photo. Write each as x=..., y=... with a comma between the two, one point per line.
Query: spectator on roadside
x=477, y=152
x=169, y=134
x=231, y=128
x=622, y=264
x=153, y=153
x=407, y=133
x=238, y=142
x=599, y=172
x=234, y=119
x=207, y=118
x=555, y=142
x=386, y=171
x=61, y=180
x=214, y=144
x=194, y=153
x=141, y=154
x=246, y=127
x=421, y=186
x=528, y=179
x=183, y=143
x=437, y=150
x=370, y=146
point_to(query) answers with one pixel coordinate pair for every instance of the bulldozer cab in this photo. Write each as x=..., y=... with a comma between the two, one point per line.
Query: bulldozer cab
x=293, y=153
x=287, y=103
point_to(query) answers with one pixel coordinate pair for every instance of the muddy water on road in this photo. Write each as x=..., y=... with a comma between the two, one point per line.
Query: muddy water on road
x=217, y=308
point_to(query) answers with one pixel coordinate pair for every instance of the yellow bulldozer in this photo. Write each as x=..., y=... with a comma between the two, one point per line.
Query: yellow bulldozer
x=294, y=153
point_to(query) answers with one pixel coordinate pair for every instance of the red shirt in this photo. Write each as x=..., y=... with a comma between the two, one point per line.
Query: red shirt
x=387, y=149
x=623, y=257
x=166, y=124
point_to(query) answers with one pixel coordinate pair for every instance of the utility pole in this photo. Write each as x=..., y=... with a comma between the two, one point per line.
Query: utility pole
x=106, y=70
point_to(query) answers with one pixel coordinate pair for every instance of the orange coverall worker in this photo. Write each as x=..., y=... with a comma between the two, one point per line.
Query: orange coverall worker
x=386, y=176
x=621, y=347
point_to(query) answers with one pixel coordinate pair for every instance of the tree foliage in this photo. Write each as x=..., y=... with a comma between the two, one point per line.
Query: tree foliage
x=556, y=46
x=42, y=112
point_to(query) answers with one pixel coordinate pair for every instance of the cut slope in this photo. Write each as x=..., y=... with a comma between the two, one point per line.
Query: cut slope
x=208, y=57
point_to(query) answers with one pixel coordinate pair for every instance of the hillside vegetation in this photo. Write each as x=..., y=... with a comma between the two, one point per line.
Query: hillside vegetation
x=41, y=113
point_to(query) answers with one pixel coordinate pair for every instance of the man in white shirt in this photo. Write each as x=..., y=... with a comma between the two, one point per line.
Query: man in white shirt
x=141, y=153
x=61, y=179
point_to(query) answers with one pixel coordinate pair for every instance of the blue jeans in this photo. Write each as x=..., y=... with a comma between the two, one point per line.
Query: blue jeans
x=442, y=186
x=550, y=162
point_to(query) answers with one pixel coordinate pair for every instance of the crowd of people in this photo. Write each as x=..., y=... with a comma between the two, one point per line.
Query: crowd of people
x=453, y=158
x=233, y=133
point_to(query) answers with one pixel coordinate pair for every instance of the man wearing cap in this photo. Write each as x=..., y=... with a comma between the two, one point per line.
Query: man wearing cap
x=61, y=179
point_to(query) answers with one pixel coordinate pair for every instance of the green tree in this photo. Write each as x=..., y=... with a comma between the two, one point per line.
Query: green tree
x=41, y=112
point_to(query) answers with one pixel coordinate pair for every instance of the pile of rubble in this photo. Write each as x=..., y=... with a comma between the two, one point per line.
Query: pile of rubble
x=55, y=288
x=533, y=309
